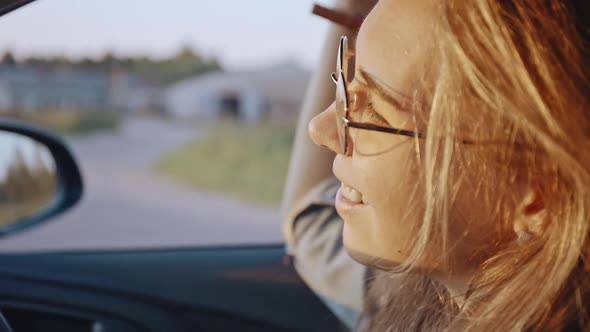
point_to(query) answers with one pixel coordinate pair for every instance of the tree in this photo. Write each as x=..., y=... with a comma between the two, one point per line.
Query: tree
x=26, y=189
x=186, y=53
x=8, y=59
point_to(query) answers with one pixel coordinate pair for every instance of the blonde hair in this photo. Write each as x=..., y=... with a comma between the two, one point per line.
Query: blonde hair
x=513, y=76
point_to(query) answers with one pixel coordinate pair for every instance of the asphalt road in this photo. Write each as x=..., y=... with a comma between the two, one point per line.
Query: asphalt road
x=127, y=205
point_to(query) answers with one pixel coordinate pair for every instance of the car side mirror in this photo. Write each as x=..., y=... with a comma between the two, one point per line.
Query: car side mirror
x=39, y=177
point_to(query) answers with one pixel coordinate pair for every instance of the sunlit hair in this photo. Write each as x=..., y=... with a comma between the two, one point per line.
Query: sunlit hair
x=513, y=77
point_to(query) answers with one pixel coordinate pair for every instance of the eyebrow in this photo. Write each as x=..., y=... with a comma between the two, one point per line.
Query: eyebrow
x=383, y=90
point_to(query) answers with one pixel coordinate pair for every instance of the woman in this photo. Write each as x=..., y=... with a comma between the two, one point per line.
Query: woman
x=463, y=149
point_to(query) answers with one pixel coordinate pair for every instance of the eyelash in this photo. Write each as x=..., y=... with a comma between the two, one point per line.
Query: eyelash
x=374, y=116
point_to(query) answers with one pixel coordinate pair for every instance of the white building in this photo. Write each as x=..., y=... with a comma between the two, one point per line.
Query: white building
x=273, y=93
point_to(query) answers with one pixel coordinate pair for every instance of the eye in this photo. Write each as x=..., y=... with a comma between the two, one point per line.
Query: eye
x=362, y=106
x=368, y=114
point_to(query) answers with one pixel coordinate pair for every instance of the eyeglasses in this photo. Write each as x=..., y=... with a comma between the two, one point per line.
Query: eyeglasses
x=343, y=121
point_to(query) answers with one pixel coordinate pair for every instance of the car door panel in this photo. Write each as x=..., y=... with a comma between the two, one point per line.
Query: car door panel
x=208, y=289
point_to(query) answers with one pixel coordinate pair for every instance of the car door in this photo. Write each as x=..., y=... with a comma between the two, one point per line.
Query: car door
x=89, y=270
x=205, y=289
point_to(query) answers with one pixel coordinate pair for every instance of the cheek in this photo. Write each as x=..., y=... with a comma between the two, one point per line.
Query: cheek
x=480, y=218
x=390, y=186
x=480, y=214
x=391, y=180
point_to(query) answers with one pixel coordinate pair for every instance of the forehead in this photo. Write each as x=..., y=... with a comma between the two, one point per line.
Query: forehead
x=394, y=40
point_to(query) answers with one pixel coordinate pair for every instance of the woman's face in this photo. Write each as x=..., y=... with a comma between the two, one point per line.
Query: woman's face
x=381, y=199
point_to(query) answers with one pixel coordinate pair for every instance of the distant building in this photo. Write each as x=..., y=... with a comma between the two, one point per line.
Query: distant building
x=5, y=96
x=31, y=89
x=273, y=93
x=131, y=93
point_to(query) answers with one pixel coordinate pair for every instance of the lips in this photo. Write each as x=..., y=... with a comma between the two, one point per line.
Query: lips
x=350, y=203
x=349, y=200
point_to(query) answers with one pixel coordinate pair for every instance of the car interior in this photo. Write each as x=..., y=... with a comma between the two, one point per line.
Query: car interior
x=218, y=288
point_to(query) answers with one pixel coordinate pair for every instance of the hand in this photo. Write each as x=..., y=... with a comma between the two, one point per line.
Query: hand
x=349, y=13
x=363, y=8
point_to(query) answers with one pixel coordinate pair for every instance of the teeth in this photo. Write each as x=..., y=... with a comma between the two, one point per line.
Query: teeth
x=351, y=194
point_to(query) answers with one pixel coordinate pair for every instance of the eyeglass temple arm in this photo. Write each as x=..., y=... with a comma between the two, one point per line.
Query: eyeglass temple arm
x=401, y=131
x=389, y=130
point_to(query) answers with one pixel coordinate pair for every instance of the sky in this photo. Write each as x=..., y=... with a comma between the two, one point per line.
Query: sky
x=240, y=33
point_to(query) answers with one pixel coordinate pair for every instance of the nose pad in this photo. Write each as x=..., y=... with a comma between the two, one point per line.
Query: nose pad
x=323, y=131
x=334, y=78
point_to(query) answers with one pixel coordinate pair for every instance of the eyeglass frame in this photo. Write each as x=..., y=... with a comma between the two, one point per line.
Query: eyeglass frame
x=340, y=77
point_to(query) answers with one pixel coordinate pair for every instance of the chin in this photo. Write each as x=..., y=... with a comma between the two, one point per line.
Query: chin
x=358, y=248
x=370, y=260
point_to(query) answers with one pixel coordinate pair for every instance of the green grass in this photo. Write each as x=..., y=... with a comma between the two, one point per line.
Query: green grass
x=69, y=122
x=249, y=161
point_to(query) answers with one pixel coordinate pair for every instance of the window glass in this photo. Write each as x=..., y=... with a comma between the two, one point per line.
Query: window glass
x=180, y=113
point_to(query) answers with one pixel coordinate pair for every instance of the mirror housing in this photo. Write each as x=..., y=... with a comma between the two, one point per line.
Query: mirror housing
x=68, y=181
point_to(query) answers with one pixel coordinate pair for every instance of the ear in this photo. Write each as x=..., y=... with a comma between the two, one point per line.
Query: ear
x=531, y=214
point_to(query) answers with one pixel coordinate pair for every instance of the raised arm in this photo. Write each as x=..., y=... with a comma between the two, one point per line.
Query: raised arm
x=311, y=164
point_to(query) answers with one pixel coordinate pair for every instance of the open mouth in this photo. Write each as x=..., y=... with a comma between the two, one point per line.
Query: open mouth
x=351, y=194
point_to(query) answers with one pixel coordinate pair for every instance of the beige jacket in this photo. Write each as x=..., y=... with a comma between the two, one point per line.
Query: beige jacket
x=313, y=232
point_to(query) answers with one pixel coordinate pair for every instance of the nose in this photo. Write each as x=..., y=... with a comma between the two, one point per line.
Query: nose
x=323, y=131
